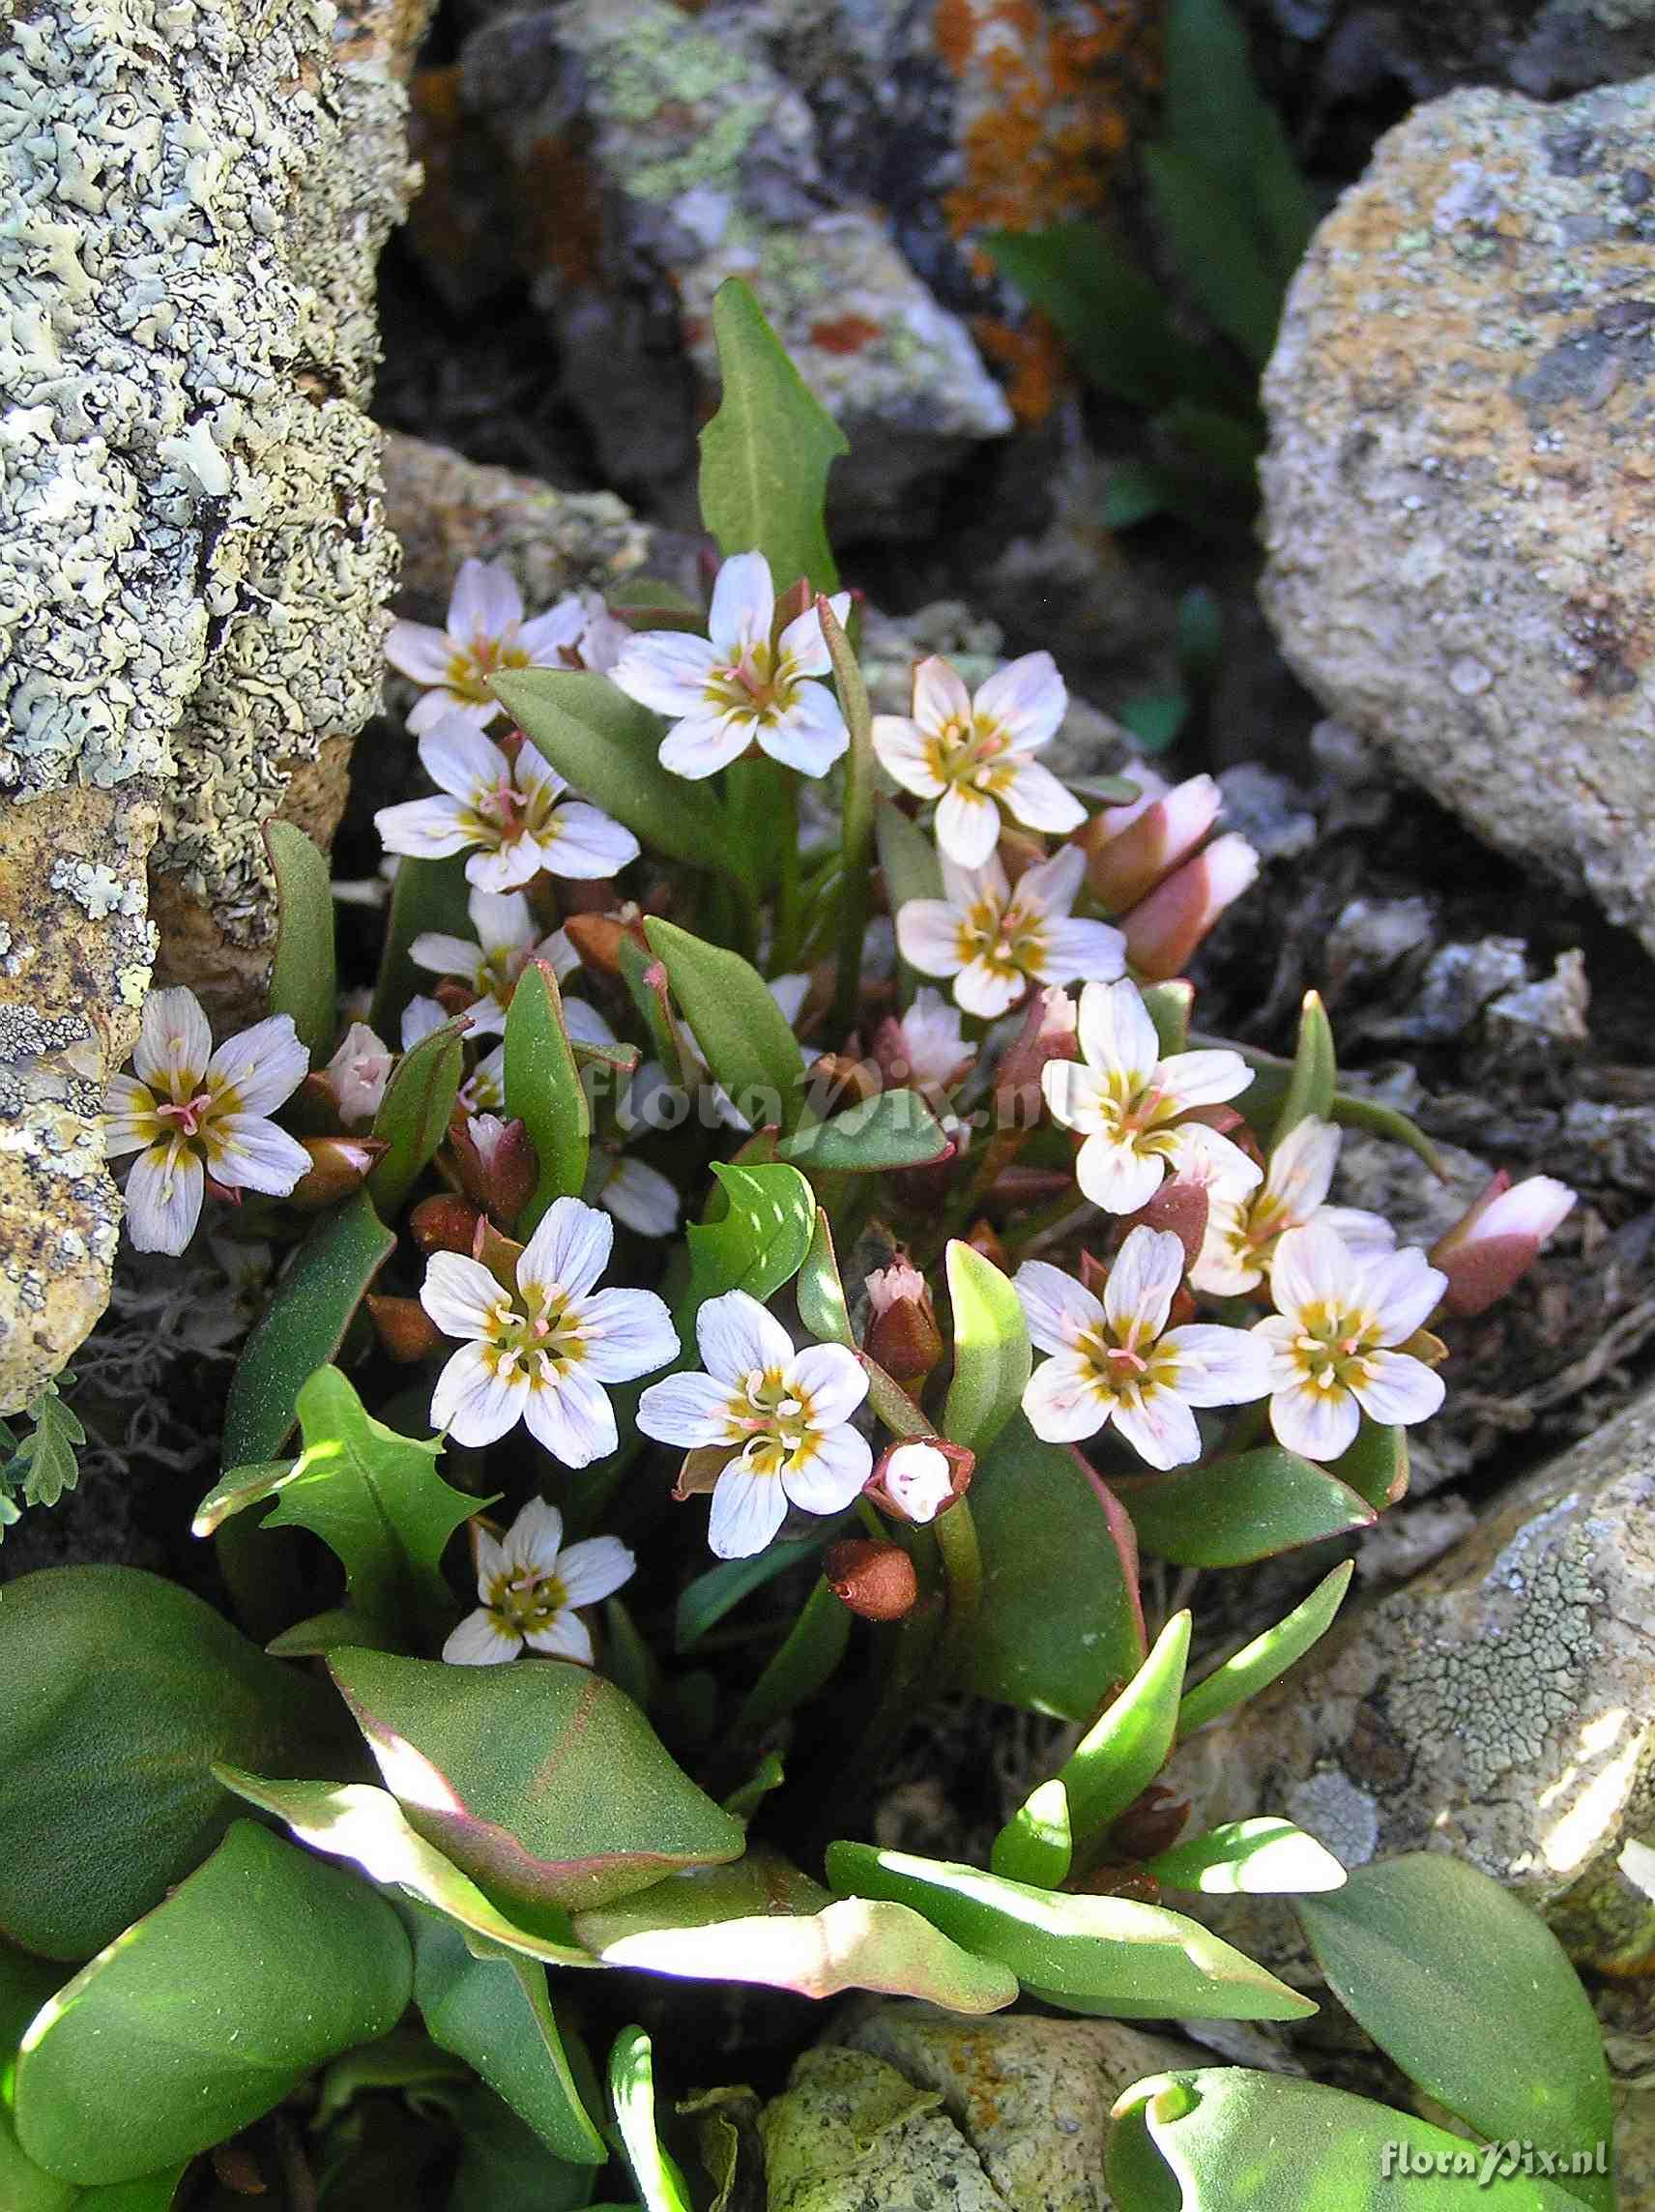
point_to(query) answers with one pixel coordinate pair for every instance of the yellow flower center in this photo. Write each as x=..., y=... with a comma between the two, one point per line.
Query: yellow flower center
x=527, y=1599
x=757, y=686
x=1334, y=1344
x=1010, y=943
x=1126, y=1364
x=769, y=1418
x=469, y=671
x=534, y=1337
x=975, y=755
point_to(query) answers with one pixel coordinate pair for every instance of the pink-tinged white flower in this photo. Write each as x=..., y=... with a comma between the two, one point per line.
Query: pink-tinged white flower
x=1498, y=1239
x=1164, y=929
x=1243, y=1226
x=483, y=1090
x=1114, y=1359
x=1130, y=849
x=925, y=1047
x=740, y=685
x=918, y=1479
x=419, y=1017
x=1130, y=1105
x=782, y=1417
x=639, y=1197
x=357, y=1074
x=995, y=941
x=975, y=756
x=1333, y=1340
x=191, y=1113
x=507, y=939
x=513, y=815
x=541, y=1353
x=532, y=1585
x=486, y=633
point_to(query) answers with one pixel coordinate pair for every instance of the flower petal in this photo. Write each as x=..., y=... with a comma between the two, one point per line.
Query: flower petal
x=460, y=1295
x=503, y=867
x=1204, y=1078
x=802, y=648
x=535, y=1539
x=703, y=744
x=744, y=604
x=472, y=1402
x=1300, y=1171
x=835, y=1379
x=265, y=1063
x=572, y=1418
x=667, y=670
x=1026, y=699
x=1316, y=1423
x=833, y=1472
x=1144, y=1280
x=1402, y=1290
x=900, y=747
x=1219, y=1366
x=595, y=1569
x=687, y=1410
x=461, y=761
x=1041, y=803
x=1311, y=1268
x=968, y=826
x=628, y=1333
x=639, y=1195
x=418, y=650
x=486, y=601
x=1117, y=1035
x=163, y=1198
x=1082, y=952
x=1115, y=1175
x=1400, y=1388
x=810, y=735
x=940, y=696
x=424, y=828
x=583, y=844
x=173, y=1038
x=1056, y=1307
x=439, y=954
x=248, y=1152
x=1159, y=1427
x=737, y=1334
x=434, y=708
x=987, y=991
x=1201, y=1153
x=928, y=936
x=128, y=1117
x=747, y=1510
x=544, y=637
x=1064, y=1402
x=482, y=1640
x=569, y=1249
x=1052, y=886
x=566, y=1637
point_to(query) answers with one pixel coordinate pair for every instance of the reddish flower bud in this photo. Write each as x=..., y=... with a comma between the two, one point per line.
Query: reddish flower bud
x=339, y=1166
x=843, y=1081
x=919, y=1478
x=453, y=996
x=1165, y=928
x=1048, y=1032
x=599, y=936
x=1498, y=1239
x=1133, y=1881
x=1151, y=1824
x=444, y=1224
x=876, y=1581
x=496, y=1162
x=1180, y=1205
x=405, y=1328
x=1125, y=861
x=983, y=1237
x=902, y=1334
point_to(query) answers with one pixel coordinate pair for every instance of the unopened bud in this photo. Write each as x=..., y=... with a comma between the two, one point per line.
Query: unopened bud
x=845, y=1081
x=1048, y=1032
x=875, y=1580
x=1165, y=928
x=453, y=996
x=1125, y=863
x=917, y=1480
x=405, y=1328
x=338, y=1167
x=1135, y=1882
x=598, y=938
x=444, y=1223
x=1150, y=1824
x=356, y=1075
x=1498, y=1239
x=496, y=1162
x=983, y=1237
x=902, y=1335
x=1180, y=1205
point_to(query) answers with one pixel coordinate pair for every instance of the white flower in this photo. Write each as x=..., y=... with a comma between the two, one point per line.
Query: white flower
x=639, y=1196
x=419, y=1017
x=1243, y=1226
x=735, y=689
x=513, y=815
x=530, y=1588
x=507, y=940
x=995, y=941
x=1128, y=1104
x=485, y=633
x=190, y=1112
x=357, y=1074
x=975, y=756
x=541, y=1355
x=926, y=1046
x=782, y=1415
x=1117, y=1360
x=1332, y=1340
x=919, y=1479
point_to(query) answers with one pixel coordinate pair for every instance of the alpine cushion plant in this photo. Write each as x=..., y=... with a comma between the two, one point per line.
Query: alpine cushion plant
x=677, y=1183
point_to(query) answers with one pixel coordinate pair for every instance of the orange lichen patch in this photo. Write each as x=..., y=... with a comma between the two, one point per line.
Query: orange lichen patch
x=844, y=333
x=560, y=213
x=1049, y=92
x=1032, y=358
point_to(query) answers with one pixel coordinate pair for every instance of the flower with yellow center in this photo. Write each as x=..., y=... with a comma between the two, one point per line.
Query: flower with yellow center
x=1114, y=1360
x=190, y=1114
x=996, y=940
x=974, y=755
x=781, y=1418
x=1332, y=1340
x=1132, y=1107
x=531, y=1585
x=486, y=633
x=1243, y=1226
x=543, y=1352
x=740, y=685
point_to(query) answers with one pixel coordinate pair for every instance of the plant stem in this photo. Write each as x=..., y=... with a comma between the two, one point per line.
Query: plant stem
x=856, y=819
x=956, y=1538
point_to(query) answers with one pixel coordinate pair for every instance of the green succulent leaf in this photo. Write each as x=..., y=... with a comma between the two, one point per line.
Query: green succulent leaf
x=758, y=1242
x=1104, y=1955
x=746, y=1039
x=992, y=1353
x=1376, y=1465
x=1169, y=1006
x=426, y=895
x=1215, y=113
x=543, y=1091
x=503, y=2166
x=1127, y=1746
x=909, y=863
x=1231, y=1511
x=301, y=1328
x=120, y=1690
x=632, y=2094
x=704, y=1602
x=301, y=976
x=820, y=1291
x=1258, y=1664
x=765, y=454
x=372, y=1495
x=807, y=1657
x=1312, y=1083
x=494, y=2012
x=1514, y=2048
x=413, y=1117
x=1259, y=1857
x=891, y=1129
x=607, y=747
x=260, y=1967
x=543, y=1783
x=859, y=790
x=1060, y=1623
x=1037, y=1845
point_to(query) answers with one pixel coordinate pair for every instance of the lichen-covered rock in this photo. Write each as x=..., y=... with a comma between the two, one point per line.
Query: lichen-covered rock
x=1460, y=480
x=1502, y=1706
x=193, y=561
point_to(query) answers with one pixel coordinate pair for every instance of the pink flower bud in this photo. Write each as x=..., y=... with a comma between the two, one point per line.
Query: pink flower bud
x=497, y=1164
x=903, y=1336
x=922, y=1477
x=1497, y=1239
x=1166, y=927
x=1048, y=1032
x=1180, y=1205
x=356, y=1075
x=1124, y=863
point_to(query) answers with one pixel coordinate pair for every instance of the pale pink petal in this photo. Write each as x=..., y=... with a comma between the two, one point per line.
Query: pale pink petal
x=1115, y=1175
x=968, y=826
x=1064, y=1402
x=839, y=1464
x=1537, y=1206
x=587, y=1026
x=502, y=921
x=482, y=1640
x=1056, y=1308
x=505, y=868
x=568, y=1637
x=1399, y=1389
x=928, y=936
x=667, y=670
x=1205, y=1156
x=747, y=1510
x=686, y=1409
x=900, y=746
x=536, y=778
x=489, y=1558
x=173, y=1038
x=628, y=1333
x=1082, y=952
x=459, y=1295
x=1041, y=803
x=1219, y=1366
x=737, y=1334
x=1365, y=1235
x=1316, y=1423
x=1402, y=1290
x=1117, y=1035
x=703, y=744
x=432, y=708
x=1205, y=1078
x=1144, y=1280
x=1278, y=1335
x=835, y=1379
x=265, y=1063
x=460, y=760
x=803, y=647
x=419, y=651
x=595, y=1569
x=1053, y=885
x=444, y=955
x=545, y=638
x=1078, y=1097
x=248, y=1152
x=1301, y=1168
x=486, y=601
x=1311, y=1268
x=569, y=1249
x=940, y=696
x=424, y=828
x=572, y=1418
x=987, y=991
x=584, y=845
x=419, y=1017
x=128, y=1117
x=1160, y=1428
x=163, y=1198
x=1026, y=699
x=639, y=1195
x=744, y=604
x=967, y=887
x=535, y=1539
x=810, y=735
x=472, y=1402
